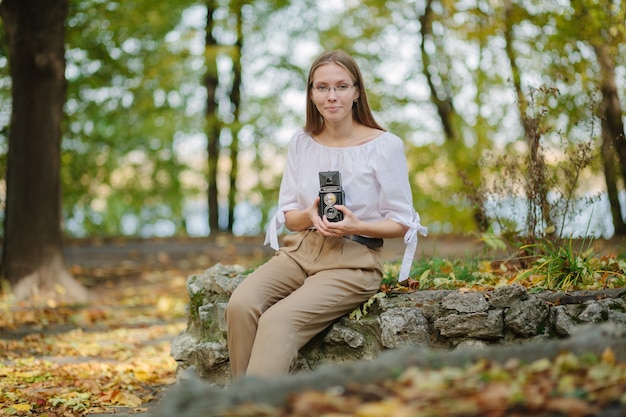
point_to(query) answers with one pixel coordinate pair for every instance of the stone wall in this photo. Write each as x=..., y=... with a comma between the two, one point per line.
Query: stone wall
x=440, y=320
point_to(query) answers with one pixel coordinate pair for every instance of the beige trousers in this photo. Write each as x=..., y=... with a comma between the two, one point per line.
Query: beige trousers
x=310, y=282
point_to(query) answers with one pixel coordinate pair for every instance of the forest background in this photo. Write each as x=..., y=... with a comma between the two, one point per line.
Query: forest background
x=177, y=115
x=141, y=119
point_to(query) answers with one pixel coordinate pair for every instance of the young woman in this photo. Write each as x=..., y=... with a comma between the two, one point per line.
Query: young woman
x=326, y=268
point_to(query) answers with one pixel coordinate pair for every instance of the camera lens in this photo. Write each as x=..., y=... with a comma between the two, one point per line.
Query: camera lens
x=330, y=212
x=330, y=199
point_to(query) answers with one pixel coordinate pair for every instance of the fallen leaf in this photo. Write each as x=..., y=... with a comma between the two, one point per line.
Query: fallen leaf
x=126, y=399
x=22, y=407
x=570, y=406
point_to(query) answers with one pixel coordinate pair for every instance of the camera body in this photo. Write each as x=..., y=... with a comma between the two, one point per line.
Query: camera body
x=331, y=194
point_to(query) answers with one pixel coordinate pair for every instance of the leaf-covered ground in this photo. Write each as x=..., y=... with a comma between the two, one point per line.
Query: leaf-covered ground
x=567, y=386
x=112, y=356
x=107, y=357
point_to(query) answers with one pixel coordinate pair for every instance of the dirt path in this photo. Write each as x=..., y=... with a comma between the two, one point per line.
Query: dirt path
x=192, y=253
x=202, y=253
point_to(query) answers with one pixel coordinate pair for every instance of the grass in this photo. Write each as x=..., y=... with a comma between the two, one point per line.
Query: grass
x=564, y=268
x=545, y=266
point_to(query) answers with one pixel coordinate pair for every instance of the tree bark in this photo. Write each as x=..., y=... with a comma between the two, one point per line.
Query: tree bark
x=211, y=81
x=612, y=131
x=440, y=98
x=235, y=100
x=32, y=256
x=611, y=177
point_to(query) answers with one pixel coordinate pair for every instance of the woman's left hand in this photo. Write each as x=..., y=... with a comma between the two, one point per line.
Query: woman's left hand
x=347, y=226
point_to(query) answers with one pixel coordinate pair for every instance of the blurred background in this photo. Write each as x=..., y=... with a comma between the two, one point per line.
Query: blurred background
x=178, y=112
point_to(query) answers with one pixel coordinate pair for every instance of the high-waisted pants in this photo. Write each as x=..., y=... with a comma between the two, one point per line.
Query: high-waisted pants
x=311, y=281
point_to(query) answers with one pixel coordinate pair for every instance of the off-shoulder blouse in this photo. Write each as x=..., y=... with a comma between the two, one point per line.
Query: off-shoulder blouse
x=374, y=177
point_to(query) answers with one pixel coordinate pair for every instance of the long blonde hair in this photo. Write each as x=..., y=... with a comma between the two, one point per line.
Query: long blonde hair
x=361, y=111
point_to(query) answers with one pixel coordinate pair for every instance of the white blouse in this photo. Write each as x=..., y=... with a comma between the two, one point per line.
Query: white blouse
x=374, y=177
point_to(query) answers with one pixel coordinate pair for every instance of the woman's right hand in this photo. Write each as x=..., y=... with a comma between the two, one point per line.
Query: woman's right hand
x=322, y=225
x=297, y=220
x=314, y=214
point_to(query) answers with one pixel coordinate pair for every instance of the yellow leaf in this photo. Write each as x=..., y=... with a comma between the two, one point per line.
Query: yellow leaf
x=384, y=408
x=485, y=266
x=608, y=356
x=22, y=407
x=60, y=289
x=165, y=304
x=143, y=376
x=126, y=399
x=540, y=365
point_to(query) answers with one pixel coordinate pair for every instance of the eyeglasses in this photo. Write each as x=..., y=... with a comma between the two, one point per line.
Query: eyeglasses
x=324, y=90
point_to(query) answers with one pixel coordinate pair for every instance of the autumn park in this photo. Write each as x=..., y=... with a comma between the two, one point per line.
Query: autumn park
x=142, y=146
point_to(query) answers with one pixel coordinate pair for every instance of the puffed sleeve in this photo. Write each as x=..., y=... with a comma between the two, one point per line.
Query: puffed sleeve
x=396, y=198
x=287, y=197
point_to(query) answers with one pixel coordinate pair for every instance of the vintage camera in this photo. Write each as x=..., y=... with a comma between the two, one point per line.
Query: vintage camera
x=331, y=194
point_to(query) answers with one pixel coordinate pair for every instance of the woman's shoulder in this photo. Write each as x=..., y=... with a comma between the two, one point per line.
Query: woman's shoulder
x=388, y=140
x=301, y=142
x=390, y=137
x=299, y=137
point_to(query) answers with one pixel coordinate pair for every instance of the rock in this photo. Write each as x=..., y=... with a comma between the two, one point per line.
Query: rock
x=561, y=321
x=404, y=325
x=527, y=318
x=183, y=347
x=593, y=313
x=484, y=325
x=437, y=320
x=472, y=302
x=343, y=335
x=507, y=296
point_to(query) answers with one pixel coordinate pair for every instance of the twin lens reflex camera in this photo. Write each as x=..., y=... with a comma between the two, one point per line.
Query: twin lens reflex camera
x=331, y=194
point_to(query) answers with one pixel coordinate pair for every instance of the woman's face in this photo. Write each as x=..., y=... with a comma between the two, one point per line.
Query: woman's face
x=333, y=92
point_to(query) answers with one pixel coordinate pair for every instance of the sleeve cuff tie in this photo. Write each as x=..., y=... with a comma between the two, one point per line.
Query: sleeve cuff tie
x=410, y=240
x=271, y=236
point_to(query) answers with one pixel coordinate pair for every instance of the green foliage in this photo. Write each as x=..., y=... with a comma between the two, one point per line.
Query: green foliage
x=438, y=273
x=559, y=265
x=128, y=90
x=562, y=267
x=441, y=273
x=135, y=99
x=362, y=311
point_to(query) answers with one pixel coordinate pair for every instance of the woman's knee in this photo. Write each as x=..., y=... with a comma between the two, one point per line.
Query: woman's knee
x=240, y=303
x=277, y=322
x=271, y=327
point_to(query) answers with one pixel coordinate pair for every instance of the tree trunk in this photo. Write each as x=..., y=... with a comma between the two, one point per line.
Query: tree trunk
x=32, y=256
x=609, y=163
x=612, y=129
x=211, y=81
x=441, y=97
x=235, y=99
x=441, y=100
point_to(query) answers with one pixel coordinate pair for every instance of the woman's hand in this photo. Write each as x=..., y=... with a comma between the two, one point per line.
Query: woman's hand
x=347, y=226
x=297, y=220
